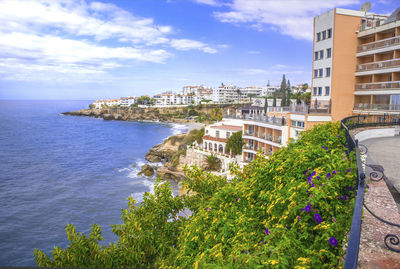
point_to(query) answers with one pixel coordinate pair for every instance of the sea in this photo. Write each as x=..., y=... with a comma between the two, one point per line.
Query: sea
x=56, y=170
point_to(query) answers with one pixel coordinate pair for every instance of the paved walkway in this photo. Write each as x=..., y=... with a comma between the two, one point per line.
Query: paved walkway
x=373, y=252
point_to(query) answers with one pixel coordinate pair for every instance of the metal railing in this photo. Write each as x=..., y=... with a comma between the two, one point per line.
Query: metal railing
x=388, y=42
x=347, y=124
x=258, y=118
x=385, y=85
x=378, y=65
x=377, y=107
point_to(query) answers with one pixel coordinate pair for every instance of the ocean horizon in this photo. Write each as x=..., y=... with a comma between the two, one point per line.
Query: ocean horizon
x=57, y=169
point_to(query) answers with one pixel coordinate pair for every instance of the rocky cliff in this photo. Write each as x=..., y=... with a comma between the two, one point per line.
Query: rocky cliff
x=161, y=114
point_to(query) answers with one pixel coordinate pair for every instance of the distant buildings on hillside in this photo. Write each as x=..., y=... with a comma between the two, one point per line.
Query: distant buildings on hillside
x=194, y=95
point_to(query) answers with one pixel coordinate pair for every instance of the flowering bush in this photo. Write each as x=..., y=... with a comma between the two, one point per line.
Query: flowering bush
x=290, y=211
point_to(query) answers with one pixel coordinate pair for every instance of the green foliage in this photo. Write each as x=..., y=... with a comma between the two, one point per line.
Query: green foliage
x=145, y=100
x=91, y=106
x=306, y=97
x=235, y=143
x=213, y=163
x=193, y=112
x=258, y=219
x=176, y=156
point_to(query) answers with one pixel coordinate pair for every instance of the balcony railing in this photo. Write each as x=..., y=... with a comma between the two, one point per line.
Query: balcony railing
x=378, y=86
x=258, y=118
x=393, y=41
x=377, y=107
x=378, y=65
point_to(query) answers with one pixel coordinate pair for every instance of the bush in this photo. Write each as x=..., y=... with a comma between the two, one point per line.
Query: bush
x=292, y=210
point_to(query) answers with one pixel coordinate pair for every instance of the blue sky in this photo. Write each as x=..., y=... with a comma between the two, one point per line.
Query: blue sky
x=82, y=49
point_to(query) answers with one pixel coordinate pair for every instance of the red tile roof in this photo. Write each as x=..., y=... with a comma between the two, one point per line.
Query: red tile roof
x=228, y=127
x=208, y=137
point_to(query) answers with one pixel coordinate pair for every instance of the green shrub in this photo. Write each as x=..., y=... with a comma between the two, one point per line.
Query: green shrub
x=277, y=213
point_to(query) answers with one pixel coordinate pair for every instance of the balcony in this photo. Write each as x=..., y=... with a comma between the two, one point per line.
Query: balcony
x=377, y=107
x=258, y=118
x=378, y=65
x=384, y=43
x=386, y=85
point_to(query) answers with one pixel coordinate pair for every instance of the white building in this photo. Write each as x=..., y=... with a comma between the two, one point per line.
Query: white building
x=228, y=93
x=216, y=136
x=127, y=101
x=269, y=90
x=171, y=98
x=110, y=103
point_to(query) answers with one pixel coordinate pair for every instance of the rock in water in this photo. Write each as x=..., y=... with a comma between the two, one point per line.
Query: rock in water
x=147, y=170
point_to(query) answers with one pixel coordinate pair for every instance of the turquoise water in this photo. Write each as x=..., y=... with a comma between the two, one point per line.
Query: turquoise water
x=58, y=169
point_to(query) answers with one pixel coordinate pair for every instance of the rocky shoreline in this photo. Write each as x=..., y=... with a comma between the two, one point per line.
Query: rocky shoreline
x=170, y=150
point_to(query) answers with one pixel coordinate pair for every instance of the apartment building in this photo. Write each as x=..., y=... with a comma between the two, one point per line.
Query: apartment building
x=263, y=134
x=127, y=101
x=227, y=93
x=377, y=74
x=171, y=98
x=346, y=41
x=98, y=104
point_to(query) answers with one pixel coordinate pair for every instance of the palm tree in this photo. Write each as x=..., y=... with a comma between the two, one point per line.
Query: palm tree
x=239, y=92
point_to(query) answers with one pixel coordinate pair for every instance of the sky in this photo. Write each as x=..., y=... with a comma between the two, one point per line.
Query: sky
x=87, y=50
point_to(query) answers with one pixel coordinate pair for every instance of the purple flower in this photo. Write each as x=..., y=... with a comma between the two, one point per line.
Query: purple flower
x=237, y=199
x=349, y=170
x=298, y=218
x=328, y=175
x=338, y=136
x=307, y=208
x=288, y=227
x=234, y=259
x=301, y=209
x=333, y=241
x=333, y=219
x=313, y=173
x=334, y=172
x=267, y=231
x=262, y=241
x=318, y=177
x=344, y=197
x=323, y=147
x=209, y=209
x=312, y=185
x=318, y=218
x=367, y=186
x=246, y=252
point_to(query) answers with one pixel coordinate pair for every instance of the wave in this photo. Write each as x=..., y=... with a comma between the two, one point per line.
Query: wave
x=179, y=128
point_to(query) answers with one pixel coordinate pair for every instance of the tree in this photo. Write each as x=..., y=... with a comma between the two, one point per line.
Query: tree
x=265, y=104
x=91, y=106
x=235, y=143
x=250, y=95
x=306, y=97
x=283, y=84
x=239, y=92
x=288, y=90
x=274, y=102
x=213, y=163
x=145, y=100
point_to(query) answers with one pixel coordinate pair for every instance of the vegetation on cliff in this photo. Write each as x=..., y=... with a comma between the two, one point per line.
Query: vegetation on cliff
x=292, y=210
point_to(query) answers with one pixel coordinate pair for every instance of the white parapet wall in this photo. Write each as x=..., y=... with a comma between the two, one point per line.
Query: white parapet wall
x=377, y=133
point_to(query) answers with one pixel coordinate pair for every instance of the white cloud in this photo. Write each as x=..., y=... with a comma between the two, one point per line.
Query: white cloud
x=80, y=37
x=209, y=2
x=290, y=17
x=188, y=44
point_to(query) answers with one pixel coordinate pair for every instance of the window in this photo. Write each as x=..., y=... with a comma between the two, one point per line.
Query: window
x=319, y=90
x=328, y=71
x=217, y=134
x=327, y=90
x=316, y=55
x=328, y=53
x=318, y=36
x=321, y=72
x=321, y=54
x=296, y=123
x=315, y=73
x=228, y=134
x=315, y=90
x=329, y=33
x=206, y=131
x=323, y=35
